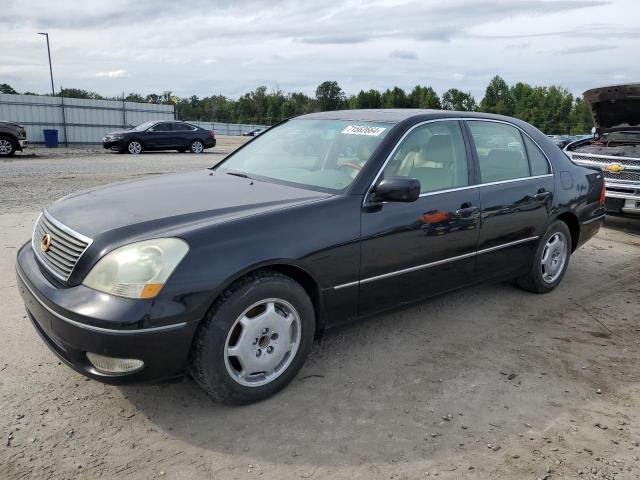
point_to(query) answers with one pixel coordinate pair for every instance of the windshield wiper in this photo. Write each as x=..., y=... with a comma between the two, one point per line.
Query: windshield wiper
x=238, y=174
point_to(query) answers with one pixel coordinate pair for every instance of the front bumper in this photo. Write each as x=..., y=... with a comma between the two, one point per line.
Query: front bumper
x=112, y=144
x=22, y=144
x=70, y=332
x=626, y=195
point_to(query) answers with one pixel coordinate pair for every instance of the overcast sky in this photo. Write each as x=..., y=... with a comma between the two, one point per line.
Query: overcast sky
x=230, y=47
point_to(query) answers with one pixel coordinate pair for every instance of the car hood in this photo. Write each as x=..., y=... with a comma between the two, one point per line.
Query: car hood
x=172, y=201
x=615, y=108
x=119, y=132
x=11, y=124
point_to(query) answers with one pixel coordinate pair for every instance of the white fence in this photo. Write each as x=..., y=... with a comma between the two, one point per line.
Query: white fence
x=86, y=121
x=77, y=120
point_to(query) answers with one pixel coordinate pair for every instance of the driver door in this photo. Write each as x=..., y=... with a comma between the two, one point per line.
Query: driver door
x=161, y=135
x=414, y=250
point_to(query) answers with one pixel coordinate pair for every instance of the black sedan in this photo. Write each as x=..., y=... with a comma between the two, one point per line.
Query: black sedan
x=228, y=274
x=163, y=135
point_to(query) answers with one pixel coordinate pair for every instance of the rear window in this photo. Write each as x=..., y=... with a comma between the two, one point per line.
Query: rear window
x=501, y=152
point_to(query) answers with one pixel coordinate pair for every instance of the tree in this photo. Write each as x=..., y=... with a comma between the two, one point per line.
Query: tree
x=6, y=88
x=79, y=93
x=369, y=99
x=329, y=96
x=454, y=99
x=497, y=97
x=424, y=97
x=395, y=98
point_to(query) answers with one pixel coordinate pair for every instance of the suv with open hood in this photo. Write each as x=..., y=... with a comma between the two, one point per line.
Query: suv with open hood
x=615, y=146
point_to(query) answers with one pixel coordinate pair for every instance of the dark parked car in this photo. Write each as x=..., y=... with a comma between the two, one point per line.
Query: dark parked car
x=229, y=273
x=162, y=135
x=13, y=137
x=254, y=132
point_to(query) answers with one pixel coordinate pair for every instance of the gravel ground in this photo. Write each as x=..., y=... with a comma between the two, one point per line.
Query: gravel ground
x=492, y=382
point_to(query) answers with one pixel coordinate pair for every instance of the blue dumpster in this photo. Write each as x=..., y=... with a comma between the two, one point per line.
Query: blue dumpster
x=50, y=138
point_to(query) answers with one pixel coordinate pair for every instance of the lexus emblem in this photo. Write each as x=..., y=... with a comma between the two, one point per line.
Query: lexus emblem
x=45, y=242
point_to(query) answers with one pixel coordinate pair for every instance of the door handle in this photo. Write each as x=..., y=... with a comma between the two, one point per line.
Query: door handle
x=542, y=195
x=467, y=209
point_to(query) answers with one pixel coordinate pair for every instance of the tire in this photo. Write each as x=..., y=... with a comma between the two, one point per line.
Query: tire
x=7, y=147
x=550, y=260
x=196, y=146
x=241, y=321
x=134, y=147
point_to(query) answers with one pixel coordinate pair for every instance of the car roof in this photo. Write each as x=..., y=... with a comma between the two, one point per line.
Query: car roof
x=396, y=115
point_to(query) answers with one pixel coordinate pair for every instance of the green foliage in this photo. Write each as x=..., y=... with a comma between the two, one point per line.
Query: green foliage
x=550, y=108
x=330, y=96
x=79, y=93
x=6, y=88
x=454, y=99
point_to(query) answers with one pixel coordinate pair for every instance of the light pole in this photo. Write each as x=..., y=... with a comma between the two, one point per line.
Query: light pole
x=53, y=90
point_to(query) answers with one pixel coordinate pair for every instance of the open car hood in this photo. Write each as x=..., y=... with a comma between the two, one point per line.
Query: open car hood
x=615, y=108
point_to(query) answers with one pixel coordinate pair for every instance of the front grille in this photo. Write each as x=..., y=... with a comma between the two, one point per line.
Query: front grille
x=604, y=161
x=65, y=246
x=622, y=176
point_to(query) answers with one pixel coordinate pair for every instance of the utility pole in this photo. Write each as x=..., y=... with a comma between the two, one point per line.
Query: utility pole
x=53, y=90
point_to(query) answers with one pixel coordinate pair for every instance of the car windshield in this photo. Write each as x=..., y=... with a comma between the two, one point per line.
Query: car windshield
x=325, y=154
x=143, y=126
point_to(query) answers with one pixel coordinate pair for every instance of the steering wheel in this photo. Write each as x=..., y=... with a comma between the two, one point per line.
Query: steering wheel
x=353, y=165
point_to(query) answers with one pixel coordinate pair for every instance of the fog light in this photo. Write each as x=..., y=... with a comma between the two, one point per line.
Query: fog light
x=114, y=365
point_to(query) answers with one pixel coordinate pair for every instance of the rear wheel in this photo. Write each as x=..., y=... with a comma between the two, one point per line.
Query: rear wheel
x=7, y=148
x=254, y=340
x=134, y=147
x=550, y=261
x=196, y=146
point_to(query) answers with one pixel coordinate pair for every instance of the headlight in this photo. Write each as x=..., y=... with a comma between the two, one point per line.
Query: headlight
x=137, y=270
x=116, y=137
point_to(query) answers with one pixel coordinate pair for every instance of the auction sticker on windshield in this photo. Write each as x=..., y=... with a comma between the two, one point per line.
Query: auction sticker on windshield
x=363, y=130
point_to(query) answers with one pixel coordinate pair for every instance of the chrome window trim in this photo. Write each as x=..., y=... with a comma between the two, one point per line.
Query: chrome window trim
x=436, y=263
x=64, y=228
x=91, y=327
x=457, y=119
x=480, y=185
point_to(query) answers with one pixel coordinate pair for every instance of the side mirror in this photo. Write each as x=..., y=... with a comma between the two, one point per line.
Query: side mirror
x=398, y=189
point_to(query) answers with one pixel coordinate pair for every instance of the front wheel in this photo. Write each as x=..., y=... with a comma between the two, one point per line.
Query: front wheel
x=550, y=261
x=196, y=146
x=134, y=147
x=255, y=339
x=7, y=148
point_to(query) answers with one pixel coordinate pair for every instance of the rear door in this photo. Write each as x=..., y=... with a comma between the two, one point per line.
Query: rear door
x=413, y=250
x=183, y=134
x=516, y=193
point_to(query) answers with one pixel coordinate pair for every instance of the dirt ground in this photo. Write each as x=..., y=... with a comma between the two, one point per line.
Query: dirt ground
x=491, y=382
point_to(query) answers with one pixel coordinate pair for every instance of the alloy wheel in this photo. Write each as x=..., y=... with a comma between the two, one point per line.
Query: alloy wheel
x=6, y=147
x=134, y=147
x=262, y=342
x=196, y=146
x=554, y=256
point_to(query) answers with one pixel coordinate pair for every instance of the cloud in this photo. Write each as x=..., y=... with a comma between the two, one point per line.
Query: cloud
x=225, y=47
x=585, y=49
x=113, y=74
x=404, y=54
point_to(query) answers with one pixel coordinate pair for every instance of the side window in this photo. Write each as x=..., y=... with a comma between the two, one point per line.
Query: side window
x=500, y=150
x=539, y=163
x=434, y=154
x=162, y=127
